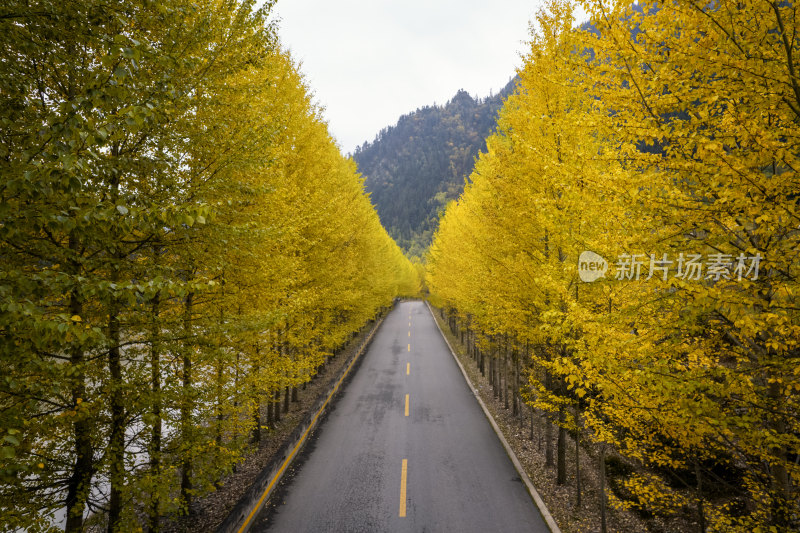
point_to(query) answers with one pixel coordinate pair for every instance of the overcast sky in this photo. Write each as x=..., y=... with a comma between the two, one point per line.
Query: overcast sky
x=370, y=61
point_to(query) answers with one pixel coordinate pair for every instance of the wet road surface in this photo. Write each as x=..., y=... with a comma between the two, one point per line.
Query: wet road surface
x=406, y=447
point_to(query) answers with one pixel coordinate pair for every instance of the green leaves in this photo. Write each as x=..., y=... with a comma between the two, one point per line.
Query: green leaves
x=9, y=443
x=177, y=228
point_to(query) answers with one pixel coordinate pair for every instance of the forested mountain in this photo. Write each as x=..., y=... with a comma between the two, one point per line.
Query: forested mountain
x=414, y=168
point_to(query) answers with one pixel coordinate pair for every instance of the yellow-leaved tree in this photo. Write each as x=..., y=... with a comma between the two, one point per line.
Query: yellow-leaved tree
x=663, y=139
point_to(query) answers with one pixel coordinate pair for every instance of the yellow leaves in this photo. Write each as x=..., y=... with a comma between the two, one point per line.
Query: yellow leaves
x=653, y=494
x=678, y=152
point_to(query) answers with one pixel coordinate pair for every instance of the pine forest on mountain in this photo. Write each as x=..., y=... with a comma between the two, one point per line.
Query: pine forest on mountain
x=414, y=168
x=183, y=246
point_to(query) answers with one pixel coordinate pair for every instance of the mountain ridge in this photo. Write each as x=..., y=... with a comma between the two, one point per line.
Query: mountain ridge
x=413, y=168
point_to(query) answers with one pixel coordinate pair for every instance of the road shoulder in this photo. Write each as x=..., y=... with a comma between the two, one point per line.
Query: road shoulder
x=537, y=499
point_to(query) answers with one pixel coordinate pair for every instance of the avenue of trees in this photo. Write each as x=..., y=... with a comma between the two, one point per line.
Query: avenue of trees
x=663, y=138
x=182, y=244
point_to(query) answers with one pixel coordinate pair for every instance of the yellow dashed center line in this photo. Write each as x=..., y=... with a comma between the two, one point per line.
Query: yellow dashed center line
x=404, y=471
x=403, y=476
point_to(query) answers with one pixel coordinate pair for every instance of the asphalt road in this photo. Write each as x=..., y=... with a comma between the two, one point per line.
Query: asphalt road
x=405, y=448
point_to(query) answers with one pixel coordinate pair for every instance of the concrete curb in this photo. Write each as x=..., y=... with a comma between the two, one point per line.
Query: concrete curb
x=243, y=515
x=548, y=518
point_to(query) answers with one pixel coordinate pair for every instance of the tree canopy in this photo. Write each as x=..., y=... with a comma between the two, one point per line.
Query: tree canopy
x=663, y=139
x=180, y=240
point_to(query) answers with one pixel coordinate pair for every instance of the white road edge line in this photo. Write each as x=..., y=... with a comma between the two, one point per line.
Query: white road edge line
x=548, y=518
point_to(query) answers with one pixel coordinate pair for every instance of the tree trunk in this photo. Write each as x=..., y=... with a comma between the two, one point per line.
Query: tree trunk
x=516, y=400
x=549, y=460
x=270, y=418
x=218, y=393
x=473, y=341
x=116, y=447
x=495, y=379
x=603, y=522
x=187, y=403
x=506, y=385
x=562, y=437
x=155, y=431
x=701, y=515
x=256, y=435
x=781, y=484
x=548, y=429
x=469, y=337
x=79, y=482
x=541, y=433
x=219, y=383
x=561, y=476
x=577, y=460
x=532, y=417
